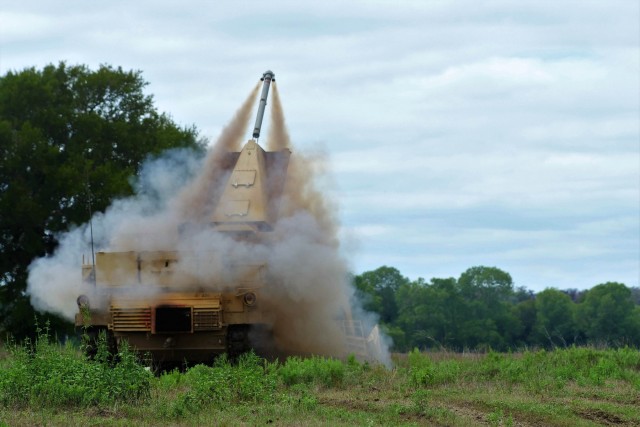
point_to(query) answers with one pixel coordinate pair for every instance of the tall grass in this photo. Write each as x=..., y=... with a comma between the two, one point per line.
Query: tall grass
x=251, y=380
x=313, y=370
x=46, y=374
x=254, y=380
x=537, y=370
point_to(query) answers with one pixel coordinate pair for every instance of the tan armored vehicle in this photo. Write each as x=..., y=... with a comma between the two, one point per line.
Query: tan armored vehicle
x=153, y=299
x=191, y=305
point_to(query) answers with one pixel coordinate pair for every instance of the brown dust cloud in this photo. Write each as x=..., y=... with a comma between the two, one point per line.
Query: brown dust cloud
x=307, y=279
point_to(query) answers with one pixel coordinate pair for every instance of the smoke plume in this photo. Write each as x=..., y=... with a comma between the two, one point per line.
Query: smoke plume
x=307, y=278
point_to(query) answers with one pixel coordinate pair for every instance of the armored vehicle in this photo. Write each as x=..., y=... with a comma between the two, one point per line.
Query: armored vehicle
x=153, y=299
x=190, y=303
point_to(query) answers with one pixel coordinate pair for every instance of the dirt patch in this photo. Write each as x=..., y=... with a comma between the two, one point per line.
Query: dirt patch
x=468, y=413
x=602, y=417
x=481, y=416
x=369, y=405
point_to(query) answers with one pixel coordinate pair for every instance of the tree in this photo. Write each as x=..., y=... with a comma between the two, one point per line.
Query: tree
x=555, y=324
x=378, y=288
x=64, y=129
x=525, y=312
x=489, y=320
x=486, y=283
x=429, y=313
x=608, y=315
x=482, y=309
x=576, y=295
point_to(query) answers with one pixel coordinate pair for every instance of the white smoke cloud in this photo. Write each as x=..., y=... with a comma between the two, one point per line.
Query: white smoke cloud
x=55, y=282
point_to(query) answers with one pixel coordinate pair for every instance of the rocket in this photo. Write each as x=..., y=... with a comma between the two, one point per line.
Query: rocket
x=267, y=78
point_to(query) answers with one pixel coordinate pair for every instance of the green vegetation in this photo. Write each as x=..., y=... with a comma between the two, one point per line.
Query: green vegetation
x=64, y=129
x=482, y=310
x=43, y=382
x=46, y=374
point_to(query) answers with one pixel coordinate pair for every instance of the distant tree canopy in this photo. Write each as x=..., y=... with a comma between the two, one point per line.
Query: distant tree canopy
x=64, y=129
x=482, y=310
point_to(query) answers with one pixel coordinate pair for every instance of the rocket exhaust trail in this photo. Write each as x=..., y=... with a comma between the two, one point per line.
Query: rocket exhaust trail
x=197, y=199
x=300, y=189
x=278, y=135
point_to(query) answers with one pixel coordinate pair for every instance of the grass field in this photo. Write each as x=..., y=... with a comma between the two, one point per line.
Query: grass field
x=48, y=384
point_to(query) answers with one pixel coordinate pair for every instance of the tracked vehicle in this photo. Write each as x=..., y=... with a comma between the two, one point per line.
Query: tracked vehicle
x=192, y=305
x=156, y=301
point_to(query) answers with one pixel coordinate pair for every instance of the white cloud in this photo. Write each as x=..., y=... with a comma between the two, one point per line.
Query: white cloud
x=21, y=27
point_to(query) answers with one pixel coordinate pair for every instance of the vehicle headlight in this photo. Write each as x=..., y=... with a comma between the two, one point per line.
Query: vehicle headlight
x=83, y=302
x=249, y=299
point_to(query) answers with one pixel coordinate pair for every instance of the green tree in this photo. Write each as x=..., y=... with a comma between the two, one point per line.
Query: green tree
x=555, y=318
x=64, y=129
x=488, y=318
x=608, y=315
x=429, y=313
x=525, y=312
x=486, y=283
x=378, y=289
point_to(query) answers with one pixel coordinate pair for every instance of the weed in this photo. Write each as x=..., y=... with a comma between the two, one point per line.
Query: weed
x=498, y=418
x=307, y=401
x=425, y=372
x=420, y=399
x=46, y=374
x=250, y=380
x=170, y=380
x=313, y=370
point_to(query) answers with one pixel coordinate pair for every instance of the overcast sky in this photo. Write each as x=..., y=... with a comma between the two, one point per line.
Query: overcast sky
x=457, y=135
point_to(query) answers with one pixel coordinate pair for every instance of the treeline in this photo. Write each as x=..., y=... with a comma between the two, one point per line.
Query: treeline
x=483, y=310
